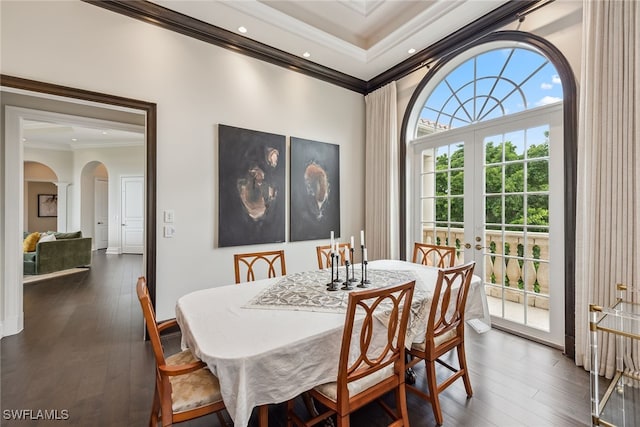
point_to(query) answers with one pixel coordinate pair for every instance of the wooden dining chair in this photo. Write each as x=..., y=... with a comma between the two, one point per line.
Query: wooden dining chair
x=434, y=255
x=445, y=331
x=324, y=254
x=269, y=263
x=366, y=374
x=185, y=388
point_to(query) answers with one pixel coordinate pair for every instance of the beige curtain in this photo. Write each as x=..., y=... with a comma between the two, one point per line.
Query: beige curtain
x=608, y=193
x=381, y=174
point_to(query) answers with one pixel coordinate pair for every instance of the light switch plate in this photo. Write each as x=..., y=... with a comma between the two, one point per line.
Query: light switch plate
x=169, y=231
x=169, y=215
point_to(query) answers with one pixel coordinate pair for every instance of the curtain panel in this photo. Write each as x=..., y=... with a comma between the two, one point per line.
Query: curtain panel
x=381, y=173
x=608, y=187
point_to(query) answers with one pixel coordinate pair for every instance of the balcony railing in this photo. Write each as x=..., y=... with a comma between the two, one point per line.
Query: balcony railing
x=516, y=265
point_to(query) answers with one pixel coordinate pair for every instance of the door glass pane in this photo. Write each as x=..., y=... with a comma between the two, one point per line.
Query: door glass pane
x=428, y=208
x=538, y=176
x=493, y=211
x=516, y=225
x=493, y=179
x=514, y=177
x=493, y=149
x=442, y=190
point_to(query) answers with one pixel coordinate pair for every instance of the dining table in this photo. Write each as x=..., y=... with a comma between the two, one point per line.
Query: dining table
x=271, y=340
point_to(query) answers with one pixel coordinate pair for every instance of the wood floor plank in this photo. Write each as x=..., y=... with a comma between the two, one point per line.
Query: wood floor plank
x=82, y=350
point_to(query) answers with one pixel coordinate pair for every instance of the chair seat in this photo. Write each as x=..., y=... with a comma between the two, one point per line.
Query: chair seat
x=422, y=346
x=193, y=390
x=330, y=390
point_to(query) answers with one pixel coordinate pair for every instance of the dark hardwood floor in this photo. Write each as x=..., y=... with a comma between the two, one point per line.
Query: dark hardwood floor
x=82, y=351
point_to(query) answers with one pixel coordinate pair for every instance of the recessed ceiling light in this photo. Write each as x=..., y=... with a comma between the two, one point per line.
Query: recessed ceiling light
x=242, y=30
x=411, y=51
x=104, y=132
x=24, y=139
x=74, y=139
x=306, y=54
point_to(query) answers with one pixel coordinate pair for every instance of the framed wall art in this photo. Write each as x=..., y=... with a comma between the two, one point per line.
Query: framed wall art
x=47, y=205
x=251, y=197
x=315, y=189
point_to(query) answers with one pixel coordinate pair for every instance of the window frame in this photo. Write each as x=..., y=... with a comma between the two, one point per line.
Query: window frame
x=570, y=123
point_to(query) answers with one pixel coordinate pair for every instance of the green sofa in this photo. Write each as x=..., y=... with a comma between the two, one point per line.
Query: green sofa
x=69, y=250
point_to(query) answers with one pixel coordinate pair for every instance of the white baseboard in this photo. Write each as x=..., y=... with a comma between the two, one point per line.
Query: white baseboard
x=114, y=251
x=12, y=325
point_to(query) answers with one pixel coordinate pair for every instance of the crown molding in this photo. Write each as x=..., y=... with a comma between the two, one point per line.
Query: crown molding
x=488, y=23
x=175, y=21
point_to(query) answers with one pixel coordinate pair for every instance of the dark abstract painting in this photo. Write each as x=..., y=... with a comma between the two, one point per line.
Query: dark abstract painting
x=251, y=187
x=315, y=189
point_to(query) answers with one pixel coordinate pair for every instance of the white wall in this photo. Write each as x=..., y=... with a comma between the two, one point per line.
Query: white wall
x=118, y=162
x=196, y=86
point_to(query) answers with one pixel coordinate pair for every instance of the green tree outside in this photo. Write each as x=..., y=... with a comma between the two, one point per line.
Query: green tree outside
x=449, y=186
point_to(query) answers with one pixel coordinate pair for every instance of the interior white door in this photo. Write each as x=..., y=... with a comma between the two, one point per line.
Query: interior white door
x=133, y=215
x=101, y=239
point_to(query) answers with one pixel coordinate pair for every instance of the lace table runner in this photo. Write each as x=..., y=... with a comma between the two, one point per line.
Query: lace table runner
x=308, y=291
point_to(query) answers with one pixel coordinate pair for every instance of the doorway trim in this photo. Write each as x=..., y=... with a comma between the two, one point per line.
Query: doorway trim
x=12, y=292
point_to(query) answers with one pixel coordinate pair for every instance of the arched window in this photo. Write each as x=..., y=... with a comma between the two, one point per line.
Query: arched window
x=484, y=141
x=491, y=84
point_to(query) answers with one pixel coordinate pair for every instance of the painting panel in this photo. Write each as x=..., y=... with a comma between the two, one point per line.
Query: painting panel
x=315, y=189
x=47, y=205
x=251, y=196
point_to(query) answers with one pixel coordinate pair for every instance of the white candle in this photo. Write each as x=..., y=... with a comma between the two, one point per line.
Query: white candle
x=335, y=248
x=331, y=239
x=346, y=254
x=352, y=244
x=364, y=255
x=362, y=237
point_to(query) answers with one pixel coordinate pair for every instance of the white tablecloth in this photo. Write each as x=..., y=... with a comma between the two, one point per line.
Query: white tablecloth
x=270, y=356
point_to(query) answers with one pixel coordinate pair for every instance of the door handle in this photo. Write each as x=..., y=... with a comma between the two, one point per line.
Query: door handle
x=124, y=225
x=478, y=246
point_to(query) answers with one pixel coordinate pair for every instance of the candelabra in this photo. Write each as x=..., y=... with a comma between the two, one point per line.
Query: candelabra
x=353, y=274
x=364, y=281
x=347, y=283
x=335, y=282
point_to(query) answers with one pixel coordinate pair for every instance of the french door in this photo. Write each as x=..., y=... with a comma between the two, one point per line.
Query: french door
x=494, y=190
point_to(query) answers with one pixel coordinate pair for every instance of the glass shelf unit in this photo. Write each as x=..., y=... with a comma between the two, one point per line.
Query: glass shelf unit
x=619, y=405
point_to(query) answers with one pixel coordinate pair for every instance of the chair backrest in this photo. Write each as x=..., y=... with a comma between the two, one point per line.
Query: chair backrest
x=269, y=263
x=447, y=307
x=434, y=255
x=150, y=320
x=395, y=303
x=324, y=254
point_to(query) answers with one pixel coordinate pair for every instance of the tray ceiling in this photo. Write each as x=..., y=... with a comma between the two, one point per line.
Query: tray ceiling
x=361, y=38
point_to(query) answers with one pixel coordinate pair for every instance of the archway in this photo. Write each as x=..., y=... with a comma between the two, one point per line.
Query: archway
x=569, y=115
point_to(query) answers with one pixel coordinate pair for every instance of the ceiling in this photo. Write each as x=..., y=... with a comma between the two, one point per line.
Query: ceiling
x=361, y=38
x=69, y=137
